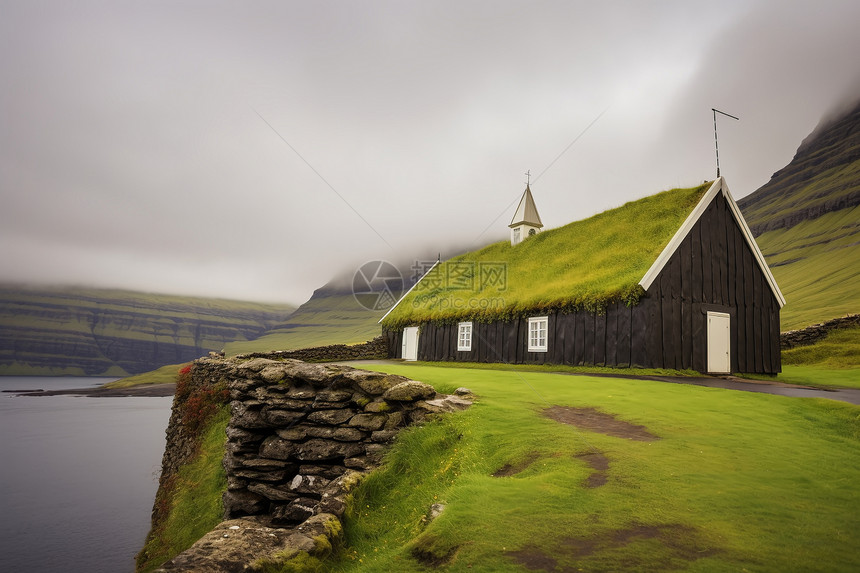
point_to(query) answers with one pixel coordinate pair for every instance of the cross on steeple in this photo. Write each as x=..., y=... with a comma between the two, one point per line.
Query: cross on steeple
x=528, y=177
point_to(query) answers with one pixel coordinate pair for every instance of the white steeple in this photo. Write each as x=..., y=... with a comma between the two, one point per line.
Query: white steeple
x=526, y=221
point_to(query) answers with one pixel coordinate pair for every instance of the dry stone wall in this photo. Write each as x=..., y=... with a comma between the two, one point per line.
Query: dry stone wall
x=816, y=332
x=370, y=350
x=299, y=437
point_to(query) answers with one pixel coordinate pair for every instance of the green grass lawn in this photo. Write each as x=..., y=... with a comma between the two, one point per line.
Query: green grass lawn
x=831, y=362
x=164, y=375
x=736, y=481
x=194, y=506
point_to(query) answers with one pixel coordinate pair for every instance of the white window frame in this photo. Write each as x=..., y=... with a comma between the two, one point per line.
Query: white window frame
x=537, y=326
x=464, y=336
x=518, y=235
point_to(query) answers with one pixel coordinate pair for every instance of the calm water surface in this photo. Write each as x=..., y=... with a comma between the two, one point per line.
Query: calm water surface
x=77, y=476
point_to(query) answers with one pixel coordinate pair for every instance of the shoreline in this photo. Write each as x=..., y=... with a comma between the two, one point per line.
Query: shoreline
x=144, y=390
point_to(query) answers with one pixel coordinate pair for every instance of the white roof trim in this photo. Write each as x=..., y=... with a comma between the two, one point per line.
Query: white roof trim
x=407, y=292
x=762, y=262
x=718, y=186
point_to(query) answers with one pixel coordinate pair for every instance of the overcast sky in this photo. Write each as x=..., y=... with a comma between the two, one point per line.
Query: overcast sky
x=253, y=150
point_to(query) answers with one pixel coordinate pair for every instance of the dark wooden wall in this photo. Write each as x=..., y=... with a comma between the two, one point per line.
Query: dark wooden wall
x=713, y=270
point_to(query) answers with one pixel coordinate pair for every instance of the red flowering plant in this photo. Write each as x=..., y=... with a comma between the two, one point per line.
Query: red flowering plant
x=198, y=402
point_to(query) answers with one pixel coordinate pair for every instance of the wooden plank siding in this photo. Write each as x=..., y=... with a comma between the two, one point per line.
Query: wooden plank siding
x=713, y=269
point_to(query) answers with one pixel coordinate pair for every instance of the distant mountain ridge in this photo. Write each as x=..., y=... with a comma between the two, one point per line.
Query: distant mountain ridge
x=823, y=176
x=807, y=223
x=334, y=314
x=91, y=332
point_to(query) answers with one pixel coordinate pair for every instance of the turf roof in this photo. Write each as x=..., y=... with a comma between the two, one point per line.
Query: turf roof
x=586, y=264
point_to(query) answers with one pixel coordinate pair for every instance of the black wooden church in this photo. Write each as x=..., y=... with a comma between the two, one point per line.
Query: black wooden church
x=693, y=291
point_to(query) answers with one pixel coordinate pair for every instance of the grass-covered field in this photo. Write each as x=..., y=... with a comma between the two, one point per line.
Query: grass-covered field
x=831, y=362
x=164, y=375
x=736, y=481
x=817, y=266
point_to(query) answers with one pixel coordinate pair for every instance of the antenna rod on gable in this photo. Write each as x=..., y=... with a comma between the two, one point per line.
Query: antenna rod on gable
x=716, y=141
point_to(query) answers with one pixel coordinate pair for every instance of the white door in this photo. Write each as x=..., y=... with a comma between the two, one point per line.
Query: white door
x=719, y=343
x=410, y=343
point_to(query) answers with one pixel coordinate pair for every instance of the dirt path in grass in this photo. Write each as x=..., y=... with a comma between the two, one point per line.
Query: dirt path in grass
x=597, y=421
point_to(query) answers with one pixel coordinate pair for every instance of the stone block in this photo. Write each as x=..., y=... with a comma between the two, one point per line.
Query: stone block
x=334, y=505
x=255, y=364
x=247, y=415
x=318, y=449
x=357, y=463
x=409, y=391
x=340, y=434
x=277, y=448
x=331, y=417
x=236, y=482
x=322, y=523
x=259, y=463
x=329, y=395
x=243, y=502
x=261, y=475
x=395, y=420
x=232, y=448
x=293, y=433
x=274, y=373
x=243, y=385
x=308, y=484
x=273, y=492
x=281, y=417
x=294, y=512
x=242, y=436
x=300, y=391
x=377, y=406
x=328, y=472
x=374, y=383
x=348, y=434
x=281, y=402
x=383, y=436
x=314, y=374
x=368, y=422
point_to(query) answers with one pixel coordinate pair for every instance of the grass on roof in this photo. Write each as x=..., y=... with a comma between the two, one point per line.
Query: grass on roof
x=586, y=264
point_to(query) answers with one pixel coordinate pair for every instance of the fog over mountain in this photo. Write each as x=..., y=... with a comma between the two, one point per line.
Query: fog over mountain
x=253, y=150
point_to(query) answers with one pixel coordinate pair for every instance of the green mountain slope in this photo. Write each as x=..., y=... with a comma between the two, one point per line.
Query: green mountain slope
x=334, y=315
x=807, y=222
x=331, y=316
x=823, y=176
x=78, y=331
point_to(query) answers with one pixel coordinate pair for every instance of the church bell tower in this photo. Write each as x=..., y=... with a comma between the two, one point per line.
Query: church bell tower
x=526, y=221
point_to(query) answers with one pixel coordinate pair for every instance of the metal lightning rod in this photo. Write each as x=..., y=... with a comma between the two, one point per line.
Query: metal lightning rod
x=716, y=141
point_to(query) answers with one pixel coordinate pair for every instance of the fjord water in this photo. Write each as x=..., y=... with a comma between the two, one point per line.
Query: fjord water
x=78, y=476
